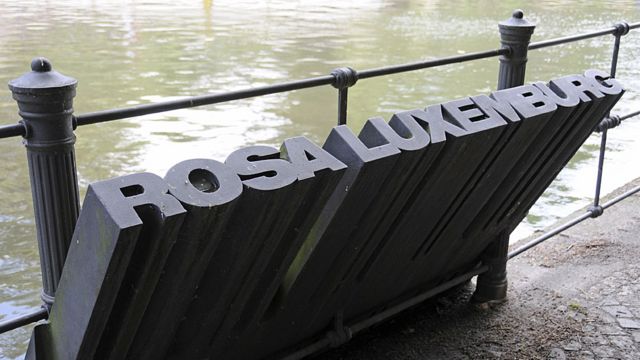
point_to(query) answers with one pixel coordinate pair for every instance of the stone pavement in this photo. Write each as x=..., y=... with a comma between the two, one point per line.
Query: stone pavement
x=577, y=296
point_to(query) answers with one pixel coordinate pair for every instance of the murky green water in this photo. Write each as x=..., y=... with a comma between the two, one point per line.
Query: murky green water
x=126, y=53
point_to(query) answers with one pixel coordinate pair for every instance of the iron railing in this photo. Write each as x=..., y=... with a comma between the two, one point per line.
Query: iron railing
x=513, y=61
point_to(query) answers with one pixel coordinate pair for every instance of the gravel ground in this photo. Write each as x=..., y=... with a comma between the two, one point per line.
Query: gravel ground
x=577, y=296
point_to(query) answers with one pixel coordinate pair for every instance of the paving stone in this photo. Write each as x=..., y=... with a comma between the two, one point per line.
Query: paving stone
x=618, y=311
x=495, y=354
x=596, y=339
x=585, y=355
x=635, y=310
x=607, y=318
x=626, y=290
x=629, y=323
x=572, y=346
x=622, y=342
x=628, y=357
x=609, y=301
x=557, y=354
x=611, y=329
x=577, y=316
x=604, y=351
x=628, y=299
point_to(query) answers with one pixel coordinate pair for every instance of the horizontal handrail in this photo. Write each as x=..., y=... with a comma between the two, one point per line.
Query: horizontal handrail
x=630, y=115
x=352, y=329
x=573, y=38
x=22, y=320
x=117, y=114
x=123, y=113
x=589, y=214
x=395, y=69
x=12, y=130
x=614, y=120
x=146, y=109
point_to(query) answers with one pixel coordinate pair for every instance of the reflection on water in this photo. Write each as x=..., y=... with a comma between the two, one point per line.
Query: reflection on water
x=126, y=53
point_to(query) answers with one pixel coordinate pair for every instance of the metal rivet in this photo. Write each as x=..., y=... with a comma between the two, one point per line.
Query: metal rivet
x=518, y=14
x=40, y=64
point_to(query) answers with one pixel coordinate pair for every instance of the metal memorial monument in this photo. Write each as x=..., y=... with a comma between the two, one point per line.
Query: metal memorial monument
x=245, y=258
x=281, y=253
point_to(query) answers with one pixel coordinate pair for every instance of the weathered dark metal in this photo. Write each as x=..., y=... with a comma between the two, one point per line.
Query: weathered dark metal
x=22, y=320
x=629, y=115
x=515, y=34
x=546, y=236
x=572, y=38
x=492, y=285
x=275, y=248
x=596, y=197
x=585, y=216
x=345, y=77
x=386, y=314
x=609, y=122
x=45, y=100
x=622, y=29
x=124, y=113
x=139, y=110
x=613, y=121
x=549, y=234
x=125, y=232
x=13, y=130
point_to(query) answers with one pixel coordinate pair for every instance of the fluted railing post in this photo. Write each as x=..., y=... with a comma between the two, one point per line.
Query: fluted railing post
x=45, y=102
x=515, y=34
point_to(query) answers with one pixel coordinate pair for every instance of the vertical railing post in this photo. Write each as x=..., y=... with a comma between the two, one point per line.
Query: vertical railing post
x=596, y=209
x=344, y=78
x=515, y=35
x=45, y=102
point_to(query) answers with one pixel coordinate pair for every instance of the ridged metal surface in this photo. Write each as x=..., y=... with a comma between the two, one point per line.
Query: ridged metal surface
x=55, y=193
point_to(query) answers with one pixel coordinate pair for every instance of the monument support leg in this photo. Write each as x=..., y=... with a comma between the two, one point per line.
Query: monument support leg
x=492, y=285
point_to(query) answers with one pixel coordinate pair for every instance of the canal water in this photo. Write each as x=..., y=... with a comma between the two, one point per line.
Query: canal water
x=128, y=53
